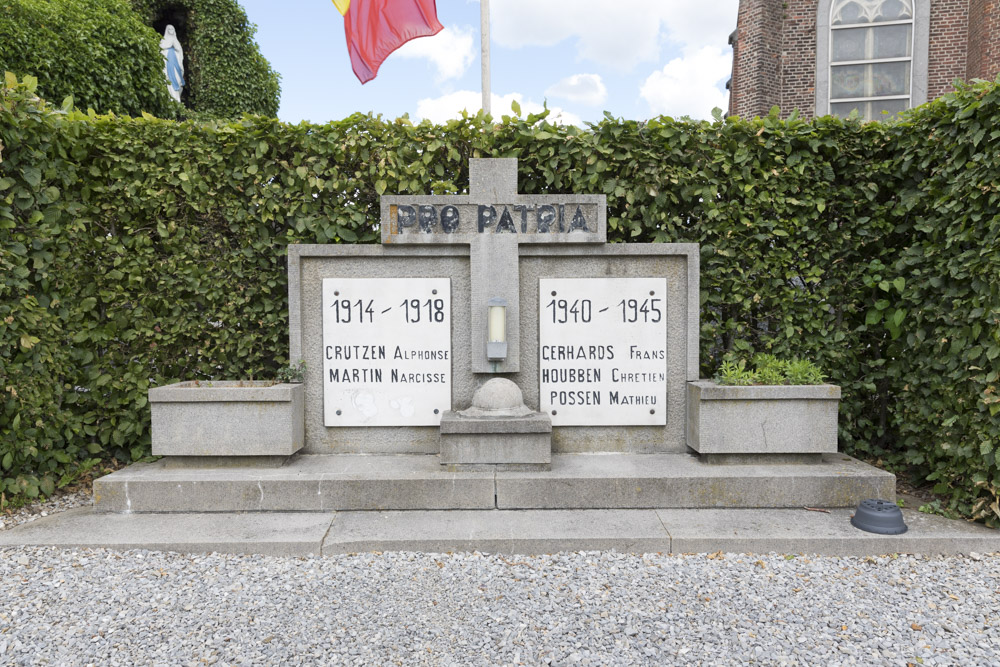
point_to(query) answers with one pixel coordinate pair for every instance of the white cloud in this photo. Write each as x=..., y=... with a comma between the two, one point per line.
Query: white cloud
x=446, y=107
x=451, y=51
x=586, y=89
x=620, y=34
x=690, y=85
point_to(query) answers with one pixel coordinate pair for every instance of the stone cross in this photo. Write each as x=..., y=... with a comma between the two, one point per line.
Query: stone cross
x=493, y=219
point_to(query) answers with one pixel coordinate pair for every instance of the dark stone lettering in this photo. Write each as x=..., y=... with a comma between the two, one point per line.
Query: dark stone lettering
x=523, y=210
x=614, y=398
x=486, y=217
x=506, y=223
x=574, y=352
x=416, y=378
x=348, y=375
x=406, y=216
x=428, y=218
x=449, y=219
x=349, y=352
x=575, y=397
x=546, y=216
x=495, y=218
x=567, y=375
x=579, y=222
x=420, y=355
x=618, y=376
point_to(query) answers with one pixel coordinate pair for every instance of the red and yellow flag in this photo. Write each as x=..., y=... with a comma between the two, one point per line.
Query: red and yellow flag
x=376, y=28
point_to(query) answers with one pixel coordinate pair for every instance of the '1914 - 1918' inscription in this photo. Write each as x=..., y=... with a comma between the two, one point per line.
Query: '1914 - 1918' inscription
x=386, y=351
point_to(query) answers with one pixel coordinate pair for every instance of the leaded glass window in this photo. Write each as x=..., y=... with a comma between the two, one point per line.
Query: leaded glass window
x=871, y=56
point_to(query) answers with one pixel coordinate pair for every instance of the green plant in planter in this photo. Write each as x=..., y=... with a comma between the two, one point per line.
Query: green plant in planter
x=291, y=373
x=770, y=370
x=802, y=371
x=736, y=373
x=766, y=369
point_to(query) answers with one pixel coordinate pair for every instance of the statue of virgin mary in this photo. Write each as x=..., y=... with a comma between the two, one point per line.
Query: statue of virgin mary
x=173, y=62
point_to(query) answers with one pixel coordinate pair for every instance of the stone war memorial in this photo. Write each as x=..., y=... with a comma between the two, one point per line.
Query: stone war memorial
x=494, y=376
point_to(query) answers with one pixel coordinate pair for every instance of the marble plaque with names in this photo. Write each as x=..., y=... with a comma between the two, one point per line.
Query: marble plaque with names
x=386, y=351
x=603, y=351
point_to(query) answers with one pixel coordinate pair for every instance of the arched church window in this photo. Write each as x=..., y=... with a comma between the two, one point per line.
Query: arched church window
x=871, y=57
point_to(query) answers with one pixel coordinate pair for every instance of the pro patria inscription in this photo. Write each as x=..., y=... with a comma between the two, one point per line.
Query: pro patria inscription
x=386, y=351
x=602, y=351
x=545, y=219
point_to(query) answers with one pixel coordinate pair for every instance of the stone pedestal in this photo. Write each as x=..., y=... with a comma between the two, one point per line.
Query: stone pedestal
x=498, y=429
x=510, y=441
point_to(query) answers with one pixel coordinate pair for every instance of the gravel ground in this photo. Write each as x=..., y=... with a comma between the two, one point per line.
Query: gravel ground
x=37, y=510
x=101, y=607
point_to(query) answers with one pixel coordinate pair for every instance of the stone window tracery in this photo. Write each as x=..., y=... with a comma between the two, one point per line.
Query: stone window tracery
x=871, y=48
x=871, y=56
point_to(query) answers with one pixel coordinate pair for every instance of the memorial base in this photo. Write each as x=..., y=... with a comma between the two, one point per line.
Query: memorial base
x=406, y=482
x=762, y=459
x=184, y=462
x=505, y=441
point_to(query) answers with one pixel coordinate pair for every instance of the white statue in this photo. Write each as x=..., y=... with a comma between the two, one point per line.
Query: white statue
x=173, y=62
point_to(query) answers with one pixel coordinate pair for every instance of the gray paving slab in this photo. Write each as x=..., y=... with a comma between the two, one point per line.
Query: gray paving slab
x=272, y=534
x=682, y=481
x=805, y=531
x=503, y=531
x=312, y=483
x=524, y=532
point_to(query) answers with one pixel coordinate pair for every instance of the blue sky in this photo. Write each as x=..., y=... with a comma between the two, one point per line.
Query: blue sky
x=633, y=58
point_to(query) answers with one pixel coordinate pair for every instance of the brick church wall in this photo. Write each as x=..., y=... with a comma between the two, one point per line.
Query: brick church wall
x=798, y=58
x=948, y=47
x=984, y=40
x=756, y=59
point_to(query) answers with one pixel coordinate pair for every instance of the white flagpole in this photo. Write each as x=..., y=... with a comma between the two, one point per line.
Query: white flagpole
x=484, y=21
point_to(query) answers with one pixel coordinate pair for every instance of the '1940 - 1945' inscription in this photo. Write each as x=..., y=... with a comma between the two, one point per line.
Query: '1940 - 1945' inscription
x=499, y=219
x=603, y=351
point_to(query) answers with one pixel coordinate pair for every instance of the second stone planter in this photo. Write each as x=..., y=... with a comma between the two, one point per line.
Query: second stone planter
x=741, y=424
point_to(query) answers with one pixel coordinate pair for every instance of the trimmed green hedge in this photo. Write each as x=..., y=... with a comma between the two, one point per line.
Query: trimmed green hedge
x=106, y=55
x=943, y=367
x=139, y=251
x=97, y=51
x=225, y=73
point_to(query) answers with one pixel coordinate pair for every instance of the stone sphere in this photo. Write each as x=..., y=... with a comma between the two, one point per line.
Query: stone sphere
x=498, y=394
x=497, y=399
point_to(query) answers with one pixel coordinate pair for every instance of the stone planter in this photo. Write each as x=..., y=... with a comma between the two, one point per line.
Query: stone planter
x=238, y=418
x=743, y=423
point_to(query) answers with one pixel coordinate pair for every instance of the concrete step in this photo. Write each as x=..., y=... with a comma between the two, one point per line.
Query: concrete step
x=788, y=531
x=643, y=531
x=269, y=534
x=418, y=482
x=304, y=484
x=684, y=481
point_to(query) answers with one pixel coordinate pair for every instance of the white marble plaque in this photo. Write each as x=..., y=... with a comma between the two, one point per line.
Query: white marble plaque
x=386, y=351
x=603, y=351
